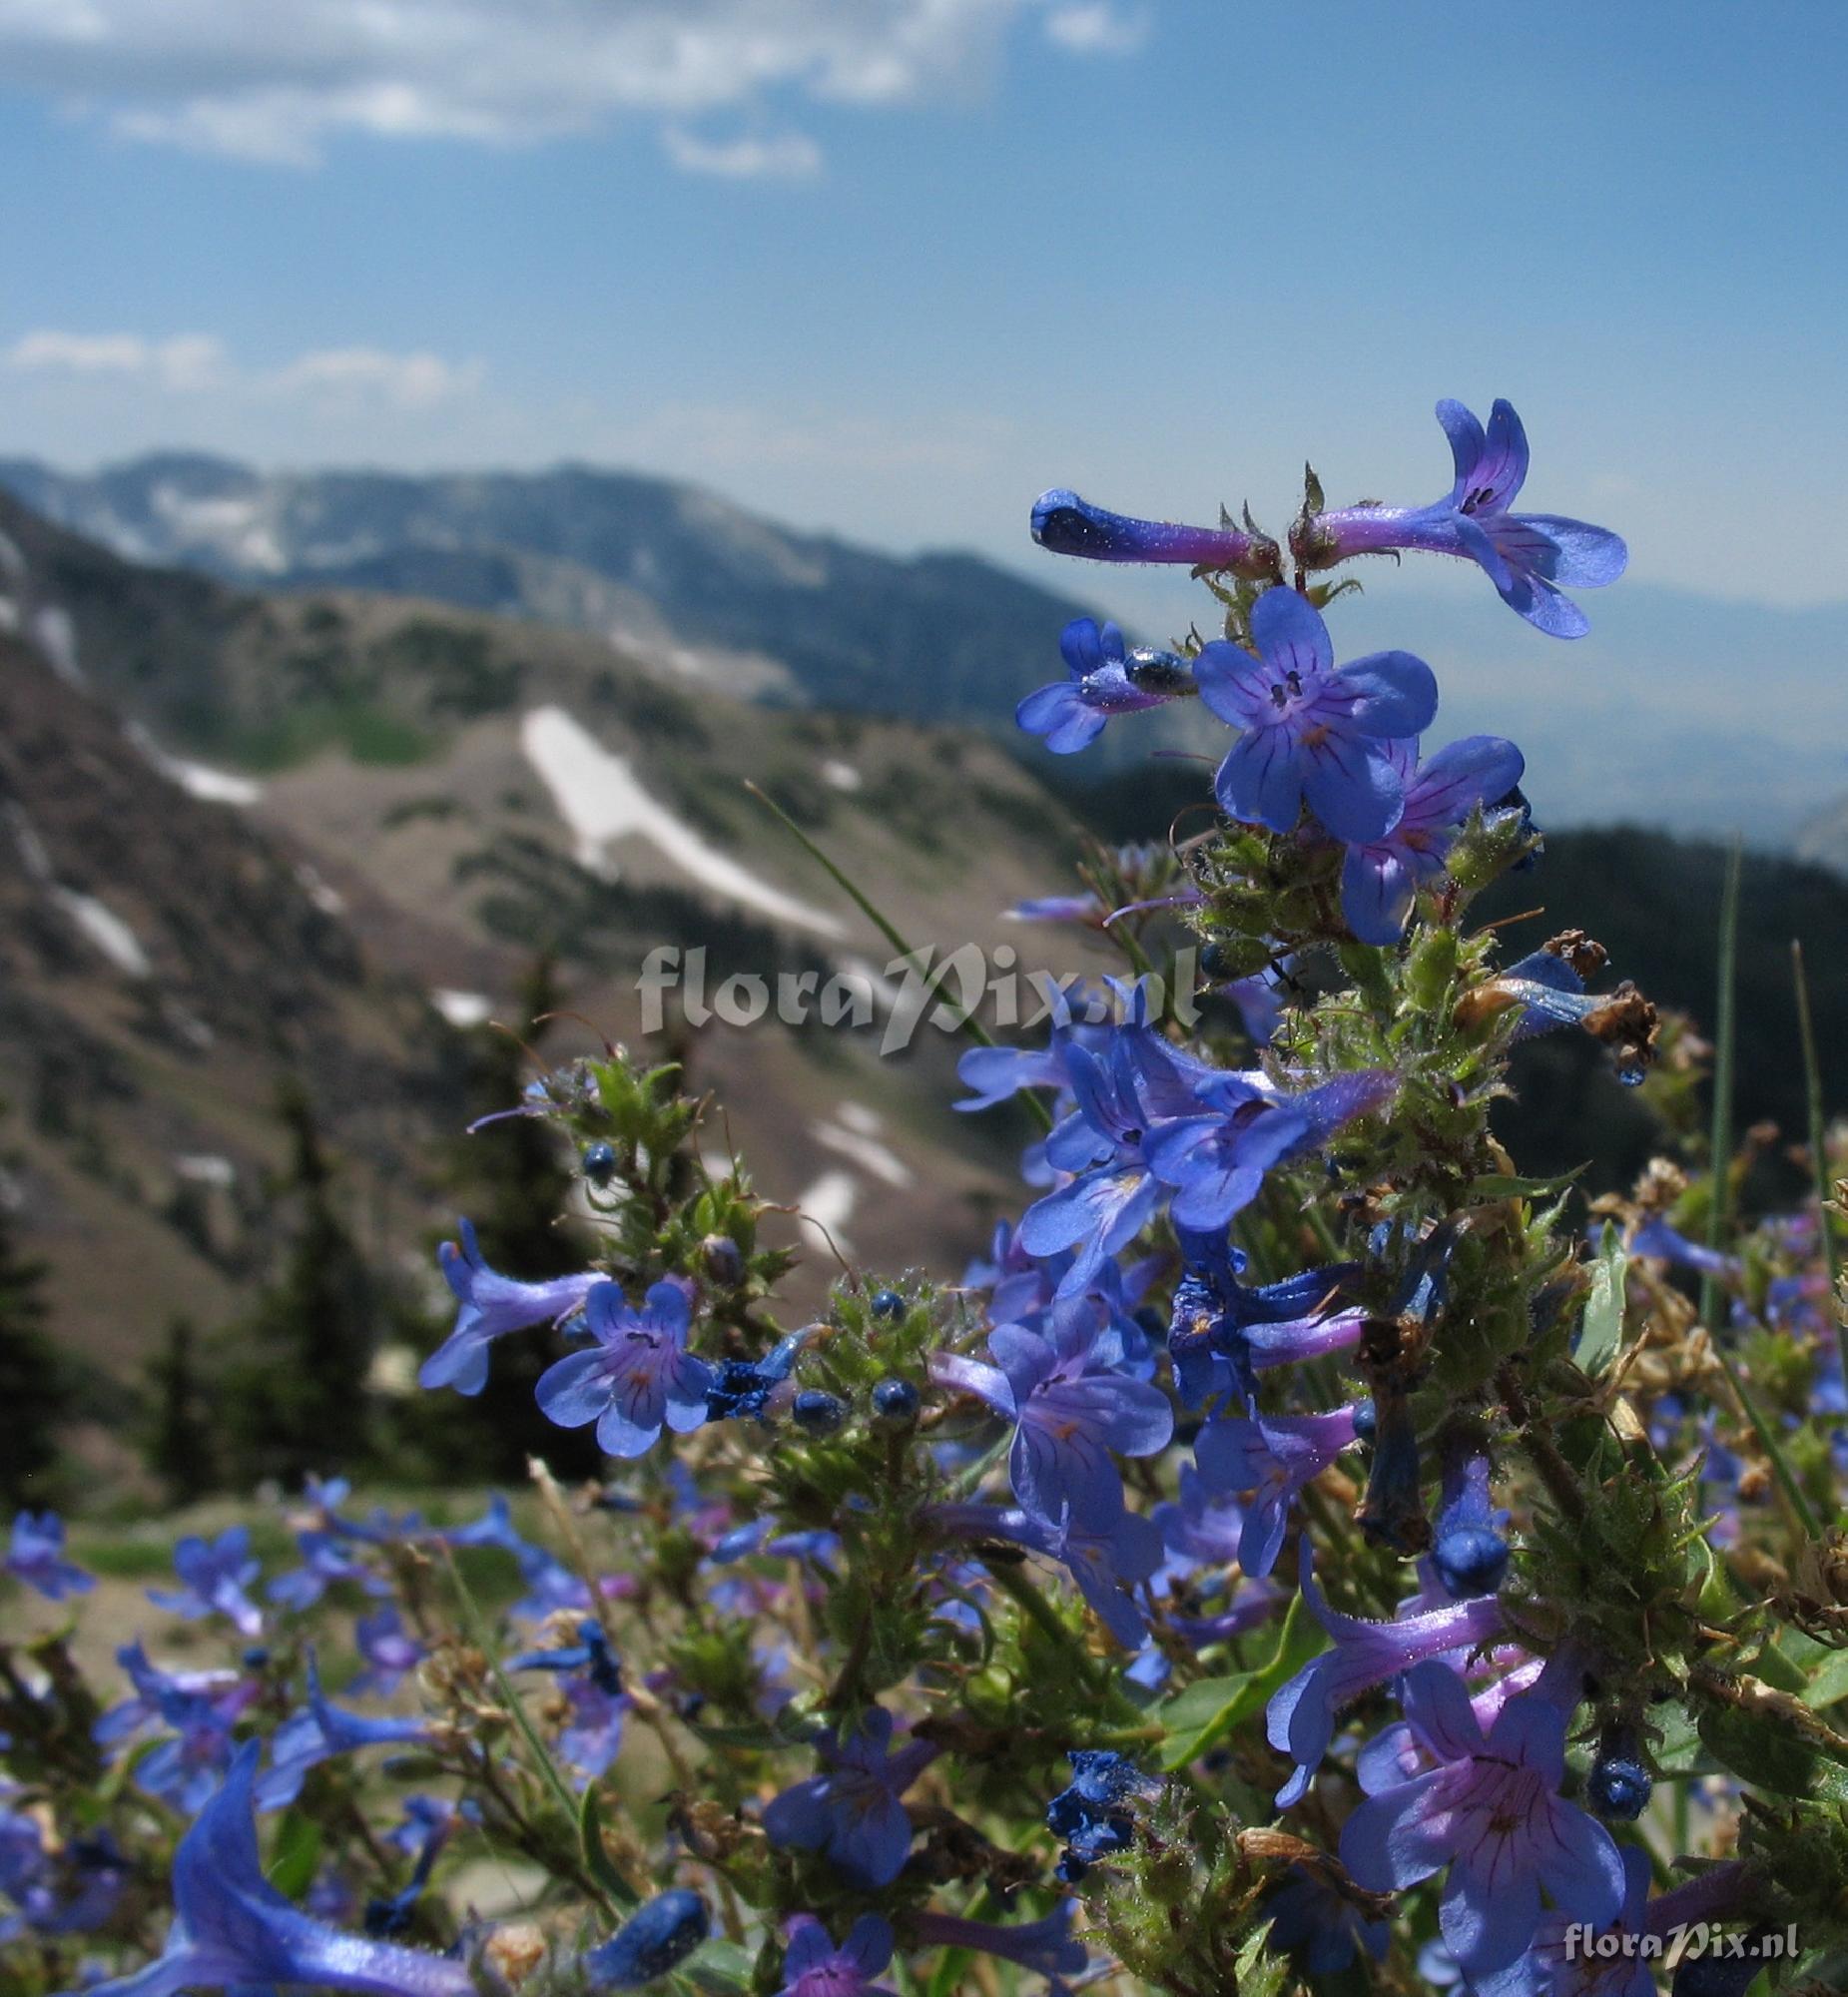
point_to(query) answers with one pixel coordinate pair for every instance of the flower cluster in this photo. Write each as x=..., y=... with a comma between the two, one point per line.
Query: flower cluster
x=1299, y=1555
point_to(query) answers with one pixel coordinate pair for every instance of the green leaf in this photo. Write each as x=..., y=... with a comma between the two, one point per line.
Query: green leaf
x=721, y=1967
x=1770, y=1757
x=1203, y=1714
x=294, y=1854
x=1830, y=1685
x=1507, y=1185
x=596, y=1859
x=1600, y=1334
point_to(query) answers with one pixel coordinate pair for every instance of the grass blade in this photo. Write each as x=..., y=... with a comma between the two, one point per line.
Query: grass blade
x=1724, y=1032
x=970, y=1024
x=1720, y=1213
x=1818, y=1137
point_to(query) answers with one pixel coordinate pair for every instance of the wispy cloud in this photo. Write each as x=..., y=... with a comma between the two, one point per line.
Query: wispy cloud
x=275, y=83
x=191, y=363
x=190, y=360
x=1095, y=28
x=789, y=156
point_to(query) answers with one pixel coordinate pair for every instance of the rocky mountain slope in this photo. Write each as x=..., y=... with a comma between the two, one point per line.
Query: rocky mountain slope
x=329, y=831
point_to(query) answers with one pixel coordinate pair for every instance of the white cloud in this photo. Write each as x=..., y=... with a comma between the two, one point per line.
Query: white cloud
x=190, y=361
x=790, y=156
x=412, y=380
x=273, y=81
x=1095, y=28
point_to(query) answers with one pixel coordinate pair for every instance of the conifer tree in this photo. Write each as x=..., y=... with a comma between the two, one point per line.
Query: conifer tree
x=182, y=1447
x=35, y=1392
x=298, y=1366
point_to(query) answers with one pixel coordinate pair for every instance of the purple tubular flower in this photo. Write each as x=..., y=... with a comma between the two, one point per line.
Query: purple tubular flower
x=1104, y=1564
x=36, y=1558
x=70, y=1892
x=1215, y=1160
x=638, y=1377
x=1380, y=879
x=1272, y=1458
x=853, y=1813
x=233, y=1929
x=1300, y=1719
x=1072, y=1407
x=1319, y=1926
x=1105, y=679
x=1138, y=1081
x=1046, y=1946
x=814, y=1968
x=321, y=1731
x=1223, y=1332
x=1527, y=556
x=1492, y=1812
x=216, y=1579
x=1312, y=734
x=1064, y=524
x=323, y=1562
x=654, y=1939
x=491, y=1305
x=390, y=1650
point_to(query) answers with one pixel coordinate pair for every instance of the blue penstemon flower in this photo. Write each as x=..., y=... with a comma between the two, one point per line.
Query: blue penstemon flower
x=637, y=1379
x=232, y=1929
x=1311, y=733
x=1380, y=876
x=1527, y=556
x=490, y=1305
x=851, y=1812
x=1072, y=1406
x=1105, y=678
x=1492, y=1813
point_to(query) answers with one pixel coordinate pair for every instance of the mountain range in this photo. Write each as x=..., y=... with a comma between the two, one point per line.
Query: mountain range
x=324, y=834
x=1699, y=714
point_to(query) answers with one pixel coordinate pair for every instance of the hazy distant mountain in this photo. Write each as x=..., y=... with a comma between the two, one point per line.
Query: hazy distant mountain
x=1691, y=713
x=659, y=568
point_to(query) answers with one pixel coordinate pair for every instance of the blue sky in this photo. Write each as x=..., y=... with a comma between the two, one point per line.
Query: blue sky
x=890, y=267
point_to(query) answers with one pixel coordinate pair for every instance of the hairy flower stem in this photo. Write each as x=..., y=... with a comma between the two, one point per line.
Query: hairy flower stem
x=1011, y=1580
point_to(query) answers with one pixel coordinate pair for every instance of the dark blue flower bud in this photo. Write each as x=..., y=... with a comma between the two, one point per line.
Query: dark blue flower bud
x=1471, y=1559
x=817, y=1413
x=651, y=1942
x=1470, y=1551
x=600, y=1164
x=724, y=1259
x=887, y=1304
x=1619, y=1785
x=256, y=1658
x=1366, y=1421
x=894, y=1403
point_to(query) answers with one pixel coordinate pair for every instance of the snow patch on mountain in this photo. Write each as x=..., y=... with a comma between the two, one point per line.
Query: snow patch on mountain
x=107, y=930
x=599, y=798
x=197, y=779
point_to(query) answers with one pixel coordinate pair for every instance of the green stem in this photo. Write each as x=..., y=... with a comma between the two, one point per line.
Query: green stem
x=1011, y=1580
x=1773, y=1447
x=970, y=1024
x=1720, y=1147
x=477, y=1632
x=1818, y=1140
